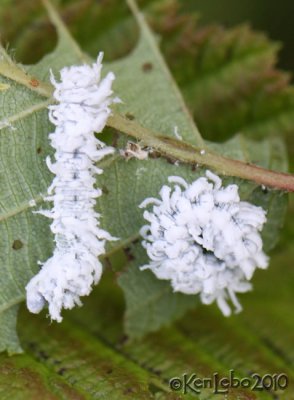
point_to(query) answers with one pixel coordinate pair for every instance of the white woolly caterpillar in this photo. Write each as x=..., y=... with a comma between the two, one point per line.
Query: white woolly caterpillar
x=204, y=240
x=83, y=109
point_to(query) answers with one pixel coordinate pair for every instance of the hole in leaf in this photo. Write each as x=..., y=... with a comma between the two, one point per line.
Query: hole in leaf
x=147, y=67
x=105, y=25
x=105, y=190
x=17, y=244
x=25, y=27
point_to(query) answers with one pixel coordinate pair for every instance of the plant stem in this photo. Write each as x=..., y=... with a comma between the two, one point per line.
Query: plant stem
x=194, y=155
x=15, y=73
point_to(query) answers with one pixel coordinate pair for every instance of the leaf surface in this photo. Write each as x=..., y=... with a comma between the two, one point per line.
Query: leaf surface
x=150, y=96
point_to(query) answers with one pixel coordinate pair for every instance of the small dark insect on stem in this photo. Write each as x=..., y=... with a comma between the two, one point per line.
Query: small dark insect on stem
x=187, y=153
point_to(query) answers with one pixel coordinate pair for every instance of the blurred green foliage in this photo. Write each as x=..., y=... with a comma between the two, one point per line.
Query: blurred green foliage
x=271, y=16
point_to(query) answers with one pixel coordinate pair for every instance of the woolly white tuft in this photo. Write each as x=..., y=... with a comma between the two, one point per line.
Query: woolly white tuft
x=204, y=240
x=83, y=109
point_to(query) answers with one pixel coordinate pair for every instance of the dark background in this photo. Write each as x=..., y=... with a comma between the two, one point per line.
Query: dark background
x=271, y=16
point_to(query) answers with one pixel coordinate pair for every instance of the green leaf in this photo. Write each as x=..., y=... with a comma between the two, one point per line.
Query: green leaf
x=151, y=97
x=128, y=184
x=150, y=302
x=90, y=358
x=9, y=339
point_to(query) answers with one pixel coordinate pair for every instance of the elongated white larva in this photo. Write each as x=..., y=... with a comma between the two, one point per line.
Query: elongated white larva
x=83, y=109
x=204, y=240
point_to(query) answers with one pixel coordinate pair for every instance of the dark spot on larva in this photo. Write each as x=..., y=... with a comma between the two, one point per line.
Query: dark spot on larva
x=75, y=175
x=147, y=67
x=39, y=150
x=61, y=371
x=17, y=244
x=130, y=116
x=34, y=82
x=75, y=198
x=105, y=190
x=128, y=253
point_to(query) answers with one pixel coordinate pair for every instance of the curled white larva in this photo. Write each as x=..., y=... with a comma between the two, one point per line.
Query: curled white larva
x=202, y=238
x=83, y=107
